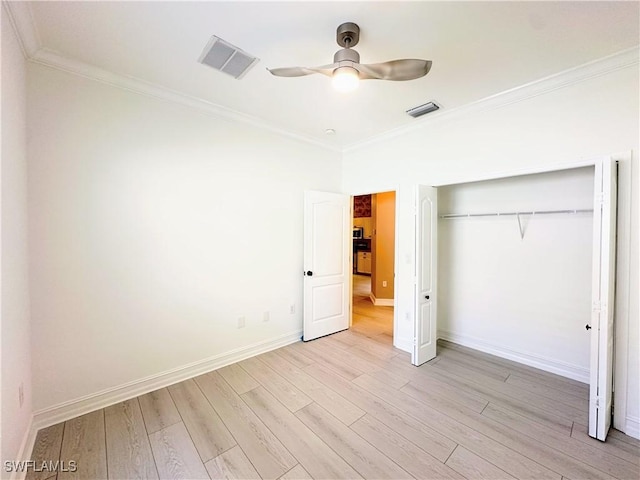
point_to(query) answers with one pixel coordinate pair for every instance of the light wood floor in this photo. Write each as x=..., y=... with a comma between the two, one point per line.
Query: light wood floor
x=348, y=406
x=374, y=322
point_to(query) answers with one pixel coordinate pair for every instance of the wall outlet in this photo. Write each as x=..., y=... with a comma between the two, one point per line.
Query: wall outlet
x=292, y=308
x=384, y=283
x=266, y=316
x=241, y=322
x=21, y=394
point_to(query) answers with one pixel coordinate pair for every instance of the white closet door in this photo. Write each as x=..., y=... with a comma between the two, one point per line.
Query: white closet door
x=327, y=254
x=425, y=328
x=603, y=298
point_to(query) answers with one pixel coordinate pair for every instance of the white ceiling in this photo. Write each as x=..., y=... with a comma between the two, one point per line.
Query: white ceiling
x=478, y=49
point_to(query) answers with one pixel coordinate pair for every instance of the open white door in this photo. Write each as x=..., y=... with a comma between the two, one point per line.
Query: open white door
x=425, y=328
x=327, y=259
x=603, y=298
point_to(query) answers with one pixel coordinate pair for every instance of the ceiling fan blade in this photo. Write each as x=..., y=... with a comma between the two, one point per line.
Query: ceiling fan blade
x=290, y=71
x=302, y=71
x=407, y=69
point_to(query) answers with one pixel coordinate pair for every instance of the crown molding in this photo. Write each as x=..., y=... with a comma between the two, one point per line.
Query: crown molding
x=618, y=61
x=55, y=60
x=21, y=18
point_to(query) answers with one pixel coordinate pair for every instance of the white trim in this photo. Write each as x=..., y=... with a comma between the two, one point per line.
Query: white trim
x=21, y=18
x=396, y=260
x=79, y=406
x=617, y=61
x=381, y=302
x=351, y=265
x=575, y=372
x=54, y=60
x=623, y=298
x=26, y=447
x=633, y=427
x=545, y=168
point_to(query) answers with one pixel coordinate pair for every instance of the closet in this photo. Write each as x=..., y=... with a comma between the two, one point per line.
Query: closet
x=515, y=268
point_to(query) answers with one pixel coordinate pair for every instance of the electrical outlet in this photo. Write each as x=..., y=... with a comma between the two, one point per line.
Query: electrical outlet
x=265, y=316
x=21, y=394
x=384, y=283
x=241, y=322
x=292, y=308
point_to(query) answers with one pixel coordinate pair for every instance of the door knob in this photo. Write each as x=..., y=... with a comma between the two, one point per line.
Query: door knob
x=587, y=326
x=427, y=297
x=309, y=273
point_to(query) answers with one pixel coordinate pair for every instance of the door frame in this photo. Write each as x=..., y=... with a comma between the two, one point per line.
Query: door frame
x=621, y=342
x=396, y=257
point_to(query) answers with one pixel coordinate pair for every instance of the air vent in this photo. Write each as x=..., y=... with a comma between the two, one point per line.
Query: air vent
x=429, y=107
x=226, y=58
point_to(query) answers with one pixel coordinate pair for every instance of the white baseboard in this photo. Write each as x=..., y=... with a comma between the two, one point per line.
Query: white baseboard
x=633, y=427
x=381, y=302
x=89, y=403
x=26, y=447
x=560, y=368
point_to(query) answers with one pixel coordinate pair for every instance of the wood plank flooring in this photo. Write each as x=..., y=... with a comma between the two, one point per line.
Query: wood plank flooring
x=347, y=406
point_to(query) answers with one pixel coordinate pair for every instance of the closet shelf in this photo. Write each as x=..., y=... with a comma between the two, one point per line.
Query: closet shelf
x=505, y=214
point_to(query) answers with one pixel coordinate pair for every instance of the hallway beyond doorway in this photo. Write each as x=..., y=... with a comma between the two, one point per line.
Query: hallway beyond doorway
x=369, y=319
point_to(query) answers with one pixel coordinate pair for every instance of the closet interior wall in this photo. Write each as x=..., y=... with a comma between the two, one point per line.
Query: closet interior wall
x=521, y=291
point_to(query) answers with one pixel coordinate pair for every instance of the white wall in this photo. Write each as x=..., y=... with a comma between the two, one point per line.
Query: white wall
x=528, y=295
x=14, y=327
x=153, y=228
x=598, y=116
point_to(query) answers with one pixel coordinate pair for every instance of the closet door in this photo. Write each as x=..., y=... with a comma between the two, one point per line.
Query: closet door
x=425, y=328
x=603, y=298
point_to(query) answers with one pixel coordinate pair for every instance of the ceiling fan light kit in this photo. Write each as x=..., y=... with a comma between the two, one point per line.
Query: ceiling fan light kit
x=345, y=79
x=346, y=70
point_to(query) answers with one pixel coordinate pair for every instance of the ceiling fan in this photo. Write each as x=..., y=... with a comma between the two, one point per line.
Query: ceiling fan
x=346, y=69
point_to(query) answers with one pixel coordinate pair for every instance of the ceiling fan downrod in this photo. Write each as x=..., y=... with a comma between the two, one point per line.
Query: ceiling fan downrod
x=347, y=36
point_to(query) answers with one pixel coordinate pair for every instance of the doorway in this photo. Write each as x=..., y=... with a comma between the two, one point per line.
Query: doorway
x=374, y=252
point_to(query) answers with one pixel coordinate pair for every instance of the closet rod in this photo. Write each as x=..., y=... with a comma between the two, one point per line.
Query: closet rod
x=500, y=214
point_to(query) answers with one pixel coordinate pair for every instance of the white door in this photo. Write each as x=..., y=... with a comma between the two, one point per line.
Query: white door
x=425, y=328
x=327, y=261
x=603, y=298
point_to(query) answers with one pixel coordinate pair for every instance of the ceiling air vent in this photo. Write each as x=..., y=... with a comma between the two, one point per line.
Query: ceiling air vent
x=226, y=58
x=418, y=111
